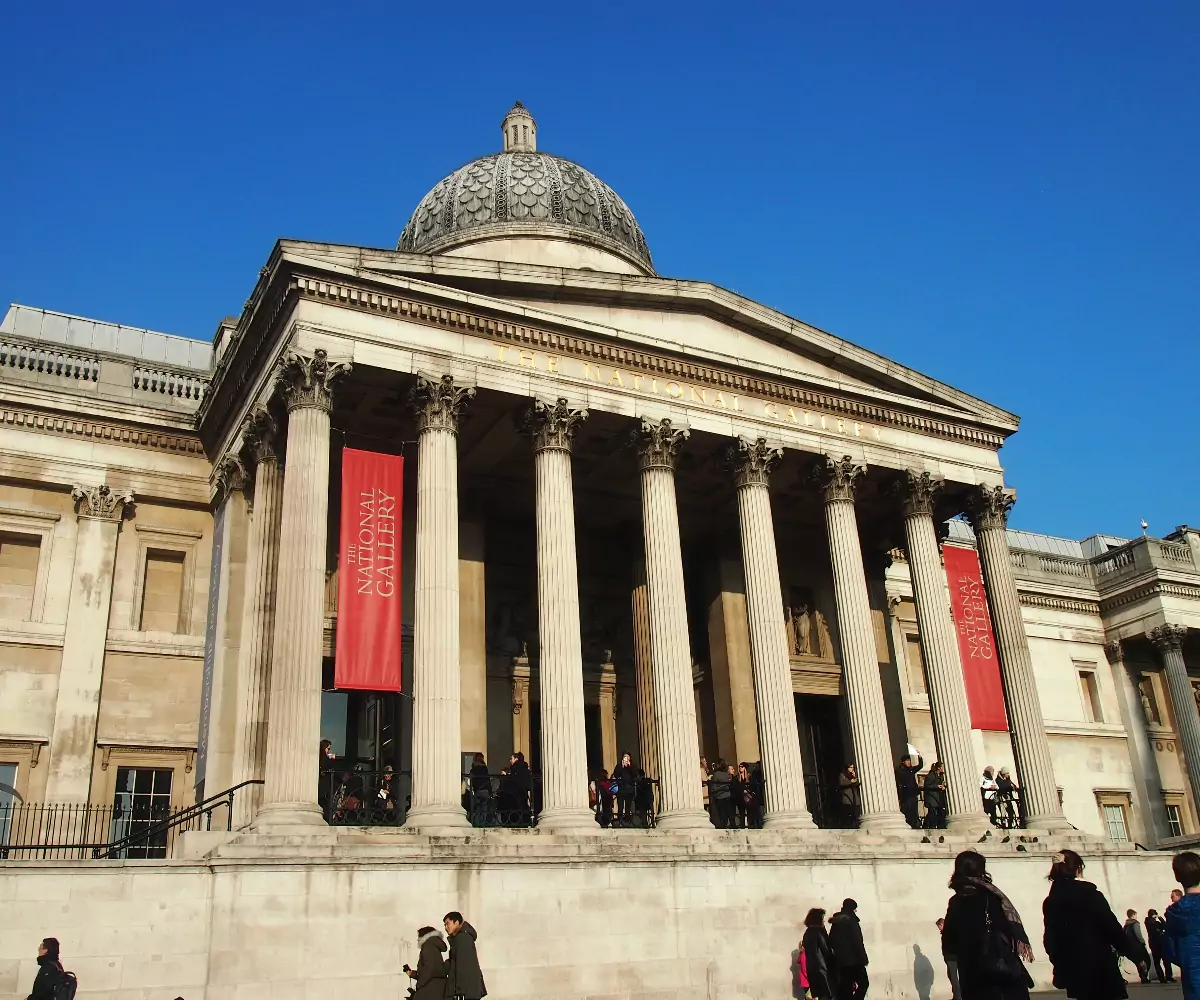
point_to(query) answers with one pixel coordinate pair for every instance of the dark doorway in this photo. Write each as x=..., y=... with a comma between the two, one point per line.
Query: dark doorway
x=823, y=752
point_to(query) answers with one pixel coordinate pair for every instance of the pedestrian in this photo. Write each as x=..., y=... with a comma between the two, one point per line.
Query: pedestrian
x=514, y=792
x=935, y=793
x=603, y=798
x=464, y=980
x=1183, y=923
x=819, y=967
x=849, y=790
x=643, y=798
x=1137, y=945
x=622, y=786
x=1084, y=940
x=51, y=979
x=720, y=795
x=989, y=789
x=950, y=960
x=910, y=791
x=481, y=792
x=705, y=771
x=849, y=952
x=1007, y=807
x=983, y=935
x=429, y=978
x=1156, y=935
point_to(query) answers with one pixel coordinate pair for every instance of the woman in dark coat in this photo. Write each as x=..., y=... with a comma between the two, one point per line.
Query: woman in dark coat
x=935, y=797
x=1084, y=940
x=818, y=957
x=621, y=783
x=429, y=978
x=983, y=934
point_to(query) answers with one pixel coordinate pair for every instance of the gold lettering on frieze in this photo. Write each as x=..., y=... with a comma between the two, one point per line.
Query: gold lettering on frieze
x=611, y=376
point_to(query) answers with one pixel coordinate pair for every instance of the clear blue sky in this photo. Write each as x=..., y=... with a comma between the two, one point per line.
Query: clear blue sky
x=1003, y=196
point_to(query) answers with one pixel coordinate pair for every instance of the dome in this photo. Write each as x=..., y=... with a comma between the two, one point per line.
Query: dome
x=522, y=192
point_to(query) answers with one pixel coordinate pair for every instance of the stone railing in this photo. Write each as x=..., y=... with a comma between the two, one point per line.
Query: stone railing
x=49, y=361
x=1030, y=563
x=1142, y=555
x=180, y=385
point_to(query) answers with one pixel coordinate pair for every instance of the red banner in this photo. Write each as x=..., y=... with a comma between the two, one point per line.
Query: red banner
x=976, y=640
x=368, y=620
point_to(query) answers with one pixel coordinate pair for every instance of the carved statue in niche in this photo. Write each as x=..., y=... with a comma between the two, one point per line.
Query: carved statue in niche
x=823, y=636
x=799, y=630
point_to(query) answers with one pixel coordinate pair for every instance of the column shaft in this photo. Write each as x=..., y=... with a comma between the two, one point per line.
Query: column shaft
x=1169, y=640
x=437, y=740
x=1031, y=748
x=1147, y=781
x=670, y=647
x=860, y=664
x=643, y=671
x=778, y=731
x=258, y=617
x=939, y=647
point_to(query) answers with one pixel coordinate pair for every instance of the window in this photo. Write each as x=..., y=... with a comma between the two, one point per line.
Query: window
x=1174, y=821
x=142, y=799
x=8, y=799
x=162, y=591
x=1091, y=696
x=916, y=664
x=19, y=557
x=1114, y=822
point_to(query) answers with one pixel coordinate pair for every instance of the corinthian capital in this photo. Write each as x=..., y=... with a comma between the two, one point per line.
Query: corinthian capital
x=988, y=506
x=307, y=382
x=918, y=491
x=438, y=402
x=1167, y=637
x=101, y=502
x=260, y=436
x=752, y=461
x=1113, y=652
x=230, y=475
x=838, y=477
x=658, y=444
x=553, y=425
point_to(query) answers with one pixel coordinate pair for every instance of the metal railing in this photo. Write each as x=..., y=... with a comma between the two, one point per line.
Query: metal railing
x=66, y=831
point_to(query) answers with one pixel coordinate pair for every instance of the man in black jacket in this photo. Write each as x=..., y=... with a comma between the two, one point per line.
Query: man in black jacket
x=849, y=952
x=906, y=782
x=1156, y=932
x=464, y=977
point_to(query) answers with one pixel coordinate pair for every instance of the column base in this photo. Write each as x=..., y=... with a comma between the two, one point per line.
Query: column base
x=438, y=820
x=579, y=822
x=969, y=825
x=287, y=814
x=798, y=820
x=683, y=821
x=884, y=822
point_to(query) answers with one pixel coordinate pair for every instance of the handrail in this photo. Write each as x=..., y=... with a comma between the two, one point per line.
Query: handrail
x=203, y=808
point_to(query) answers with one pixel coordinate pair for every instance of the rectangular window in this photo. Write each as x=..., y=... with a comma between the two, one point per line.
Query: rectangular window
x=916, y=664
x=142, y=799
x=162, y=591
x=19, y=556
x=1174, y=821
x=1091, y=696
x=8, y=799
x=1114, y=821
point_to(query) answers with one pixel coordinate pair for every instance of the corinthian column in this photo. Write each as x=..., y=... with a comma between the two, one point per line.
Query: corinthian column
x=259, y=436
x=437, y=680
x=643, y=673
x=1147, y=790
x=860, y=664
x=1031, y=749
x=670, y=648
x=560, y=670
x=939, y=647
x=294, y=733
x=77, y=705
x=1169, y=641
x=778, y=733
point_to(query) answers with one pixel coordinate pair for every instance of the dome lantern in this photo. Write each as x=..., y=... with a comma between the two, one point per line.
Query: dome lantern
x=520, y=130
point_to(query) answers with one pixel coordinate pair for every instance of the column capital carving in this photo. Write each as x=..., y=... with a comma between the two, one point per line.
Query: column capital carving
x=552, y=425
x=260, y=436
x=307, y=382
x=752, y=461
x=438, y=402
x=658, y=444
x=838, y=477
x=988, y=506
x=1167, y=637
x=1113, y=652
x=102, y=502
x=230, y=476
x=918, y=492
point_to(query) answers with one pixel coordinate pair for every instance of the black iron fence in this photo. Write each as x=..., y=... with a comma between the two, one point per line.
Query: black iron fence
x=137, y=829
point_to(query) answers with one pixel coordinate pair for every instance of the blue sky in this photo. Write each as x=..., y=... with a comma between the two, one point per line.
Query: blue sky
x=1002, y=196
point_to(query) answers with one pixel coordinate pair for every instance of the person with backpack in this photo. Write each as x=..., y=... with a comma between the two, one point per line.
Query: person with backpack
x=52, y=981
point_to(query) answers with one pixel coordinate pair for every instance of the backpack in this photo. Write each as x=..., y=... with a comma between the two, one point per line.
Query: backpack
x=66, y=986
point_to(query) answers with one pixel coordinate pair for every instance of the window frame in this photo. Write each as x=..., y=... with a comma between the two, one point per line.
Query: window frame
x=1094, y=712
x=42, y=526
x=1178, y=802
x=1119, y=798
x=173, y=540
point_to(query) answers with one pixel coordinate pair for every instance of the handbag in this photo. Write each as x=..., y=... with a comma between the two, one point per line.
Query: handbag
x=999, y=961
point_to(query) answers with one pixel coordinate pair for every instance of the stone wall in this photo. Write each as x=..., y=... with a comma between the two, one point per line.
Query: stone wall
x=555, y=920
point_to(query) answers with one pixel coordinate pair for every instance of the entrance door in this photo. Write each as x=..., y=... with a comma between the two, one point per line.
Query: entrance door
x=823, y=752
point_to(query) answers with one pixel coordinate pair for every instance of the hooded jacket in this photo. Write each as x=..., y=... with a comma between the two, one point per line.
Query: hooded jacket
x=430, y=982
x=846, y=940
x=1183, y=935
x=465, y=978
x=1083, y=940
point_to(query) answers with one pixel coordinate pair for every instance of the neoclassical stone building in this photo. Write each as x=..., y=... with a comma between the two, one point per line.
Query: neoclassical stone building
x=639, y=513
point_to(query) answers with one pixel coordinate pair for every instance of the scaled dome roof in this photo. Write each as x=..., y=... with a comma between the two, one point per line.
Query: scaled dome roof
x=521, y=191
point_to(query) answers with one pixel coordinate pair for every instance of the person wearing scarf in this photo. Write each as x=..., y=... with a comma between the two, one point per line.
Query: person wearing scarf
x=983, y=935
x=1084, y=939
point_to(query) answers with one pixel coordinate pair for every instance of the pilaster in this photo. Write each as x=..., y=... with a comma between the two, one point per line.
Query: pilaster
x=1168, y=640
x=1147, y=781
